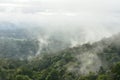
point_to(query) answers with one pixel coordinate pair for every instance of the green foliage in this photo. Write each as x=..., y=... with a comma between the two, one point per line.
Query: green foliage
x=102, y=77
x=54, y=66
x=22, y=77
x=17, y=49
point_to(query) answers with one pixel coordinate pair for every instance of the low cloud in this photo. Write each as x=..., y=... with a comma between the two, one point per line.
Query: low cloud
x=92, y=20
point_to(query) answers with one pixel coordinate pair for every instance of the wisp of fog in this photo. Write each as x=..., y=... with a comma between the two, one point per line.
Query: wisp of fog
x=71, y=22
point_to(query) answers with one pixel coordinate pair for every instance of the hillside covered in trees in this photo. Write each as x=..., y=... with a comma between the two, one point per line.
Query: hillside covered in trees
x=91, y=61
x=59, y=39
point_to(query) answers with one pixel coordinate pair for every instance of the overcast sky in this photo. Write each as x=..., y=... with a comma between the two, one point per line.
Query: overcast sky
x=94, y=16
x=101, y=11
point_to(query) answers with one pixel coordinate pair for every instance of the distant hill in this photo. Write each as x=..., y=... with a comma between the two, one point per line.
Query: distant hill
x=11, y=30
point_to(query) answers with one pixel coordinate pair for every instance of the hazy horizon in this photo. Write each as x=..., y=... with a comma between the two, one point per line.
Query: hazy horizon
x=93, y=19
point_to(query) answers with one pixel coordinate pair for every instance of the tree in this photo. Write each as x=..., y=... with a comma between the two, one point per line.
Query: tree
x=102, y=77
x=53, y=75
x=115, y=71
x=22, y=77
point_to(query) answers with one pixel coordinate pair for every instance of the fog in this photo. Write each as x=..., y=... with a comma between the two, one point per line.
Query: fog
x=74, y=21
x=85, y=20
x=68, y=22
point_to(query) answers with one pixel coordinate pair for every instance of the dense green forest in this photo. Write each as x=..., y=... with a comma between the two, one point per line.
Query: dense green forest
x=97, y=61
x=17, y=48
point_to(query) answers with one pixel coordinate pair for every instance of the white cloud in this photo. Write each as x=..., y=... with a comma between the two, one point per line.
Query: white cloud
x=95, y=17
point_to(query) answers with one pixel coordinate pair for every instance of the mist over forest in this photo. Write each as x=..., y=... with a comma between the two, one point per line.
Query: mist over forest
x=59, y=40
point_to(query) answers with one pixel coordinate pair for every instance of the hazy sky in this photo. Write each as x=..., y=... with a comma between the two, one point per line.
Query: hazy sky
x=82, y=11
x=92, y=16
